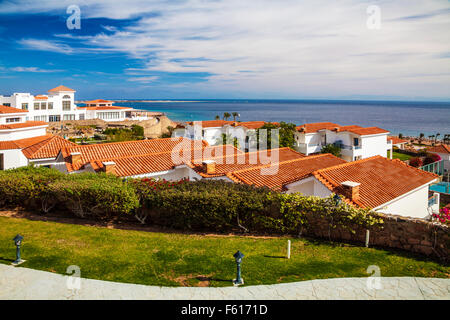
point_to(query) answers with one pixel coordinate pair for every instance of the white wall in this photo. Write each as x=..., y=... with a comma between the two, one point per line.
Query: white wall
x=412, y=205
x=374, y=145
x=13, y=159
x=16, y=134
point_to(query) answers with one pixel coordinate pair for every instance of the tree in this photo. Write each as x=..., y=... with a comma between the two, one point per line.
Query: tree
x=138, y=131
x=217, y=117
x=400, y=135
x=334, y=149
x=235, y=114
x=421, y=136
x=435, y=139
x=286, y=134
x=415, y=162
x=169, y=132
x=226, y=115
x=227, y=139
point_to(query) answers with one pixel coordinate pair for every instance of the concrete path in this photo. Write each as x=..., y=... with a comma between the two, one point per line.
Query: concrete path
x=23, y=283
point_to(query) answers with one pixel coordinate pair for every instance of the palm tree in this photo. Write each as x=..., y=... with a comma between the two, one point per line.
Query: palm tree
x=226, y=115
x=446, y=138
x=217, y=117
x=421, y=135
x=400, y=135
x=235, y=114
x=437, y=135
x=431, y=138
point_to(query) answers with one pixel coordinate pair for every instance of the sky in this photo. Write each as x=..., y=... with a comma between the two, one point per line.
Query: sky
x=228, y=49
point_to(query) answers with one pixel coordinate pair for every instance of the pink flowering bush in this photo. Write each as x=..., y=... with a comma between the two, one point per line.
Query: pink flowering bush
x=443, y=216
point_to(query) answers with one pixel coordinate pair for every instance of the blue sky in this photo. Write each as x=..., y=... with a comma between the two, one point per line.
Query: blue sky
x=194, y=49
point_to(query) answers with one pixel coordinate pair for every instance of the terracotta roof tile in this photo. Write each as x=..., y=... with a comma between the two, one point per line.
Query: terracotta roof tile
x=6, y=110
x=38, y=97
x=103, y=108
x=61, y=88
x=381, y=179
x=277, y=176
x=366, y=131
x=314, y=127
x=234, y=162
x=123, y=149
x=41, y=147
x=396, y=140
x=252, y=124
x=22, y=125
x=211, y=123
x=98, y=101
x=442, y=148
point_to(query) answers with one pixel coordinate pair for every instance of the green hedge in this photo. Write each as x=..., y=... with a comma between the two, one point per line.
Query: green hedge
x=213, y=205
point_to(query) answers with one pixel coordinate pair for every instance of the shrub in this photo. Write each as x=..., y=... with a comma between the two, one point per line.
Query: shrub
x=431, y=158
x=416, y=162
x=102, y=195
x=334, y=149
x=27, y=187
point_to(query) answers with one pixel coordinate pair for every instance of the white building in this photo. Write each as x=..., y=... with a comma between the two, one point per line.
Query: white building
x=443, y=150
x=356, y=142
x=24, y=142
x=59, y=105
x=104, y=110
x=212, y=132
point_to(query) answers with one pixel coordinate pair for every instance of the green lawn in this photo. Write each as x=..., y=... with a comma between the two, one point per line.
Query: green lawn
x=401, y=156
x=176, y=259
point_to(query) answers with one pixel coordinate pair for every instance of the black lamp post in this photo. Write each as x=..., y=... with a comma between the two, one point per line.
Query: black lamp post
x=238, y=257
x=337, y=199
x=18, y=241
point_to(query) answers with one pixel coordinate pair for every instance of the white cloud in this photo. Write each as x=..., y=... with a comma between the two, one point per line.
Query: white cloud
x=143, y=79
x=45, y=45
x=289, y=46
x=33, y=69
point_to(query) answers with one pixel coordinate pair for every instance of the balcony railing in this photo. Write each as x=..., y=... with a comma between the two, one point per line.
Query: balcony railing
x=435, y=167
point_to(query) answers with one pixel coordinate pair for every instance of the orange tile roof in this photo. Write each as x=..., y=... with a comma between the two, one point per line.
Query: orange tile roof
x=61, y=88
x=116, y=150
x=442, y=148
x=211, y=123
x=48, y=148
x=40, y=97
x=284, y=172
x=163, y=161
x=6, y=110
x=366, y=131
x=314, y=127
x=104, y=108
x=41, y=147
x=252, y=124
x=396, y=140
x=98, y=101
x=22, y=125
x=381, y=180
x=234, y=162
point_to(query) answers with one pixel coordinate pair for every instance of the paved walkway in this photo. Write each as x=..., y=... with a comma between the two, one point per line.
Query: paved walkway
x=23, y=283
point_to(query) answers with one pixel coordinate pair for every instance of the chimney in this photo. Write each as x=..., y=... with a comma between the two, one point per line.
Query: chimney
x=75, y=157
x=209, y=166
x=109, y=167
x=351, y=190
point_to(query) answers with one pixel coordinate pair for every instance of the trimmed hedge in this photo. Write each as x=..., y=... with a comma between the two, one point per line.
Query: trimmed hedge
x=213, y=205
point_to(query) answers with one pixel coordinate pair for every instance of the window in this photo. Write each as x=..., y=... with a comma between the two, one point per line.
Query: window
x=40, y=118
x=54, y=118
x=36, y=106
x=43, y=105
x=358, y=158
x=9, y=120
x=108, y=115
x=81, y=116
x=50, y=105
x=7, y=104
x=69, y=117
x=66, y=105
x=355, y=142
x=66, y=96
x=2, y=162
x=24, y=106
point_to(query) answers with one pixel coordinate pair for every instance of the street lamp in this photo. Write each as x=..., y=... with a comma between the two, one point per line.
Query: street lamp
x=238, y=257
x=18, y=241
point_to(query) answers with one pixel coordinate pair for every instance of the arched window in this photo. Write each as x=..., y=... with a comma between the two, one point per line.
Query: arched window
x=66, y=96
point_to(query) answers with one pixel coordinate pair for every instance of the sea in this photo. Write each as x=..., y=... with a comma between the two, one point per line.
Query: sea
x=405, y=117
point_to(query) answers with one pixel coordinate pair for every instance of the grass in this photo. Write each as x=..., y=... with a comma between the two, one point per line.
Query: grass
x=192, y=260
x=401, y=156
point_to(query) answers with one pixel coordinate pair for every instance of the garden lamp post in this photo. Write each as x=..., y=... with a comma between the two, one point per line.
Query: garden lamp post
x=337, y=199
x=18, y=241
x=238, y=257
